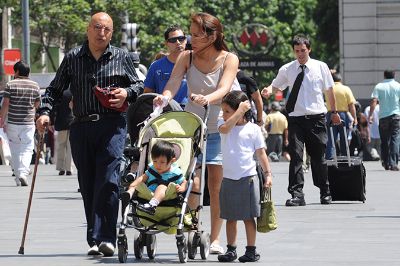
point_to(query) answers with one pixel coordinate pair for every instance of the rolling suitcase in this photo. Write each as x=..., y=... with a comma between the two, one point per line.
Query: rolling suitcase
x=346, y=175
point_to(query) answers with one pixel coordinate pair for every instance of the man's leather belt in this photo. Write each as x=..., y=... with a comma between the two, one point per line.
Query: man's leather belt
x=94, y=117
x=317, y=116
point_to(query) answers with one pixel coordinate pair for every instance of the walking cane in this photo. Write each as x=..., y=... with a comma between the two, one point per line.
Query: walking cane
x=38, y=151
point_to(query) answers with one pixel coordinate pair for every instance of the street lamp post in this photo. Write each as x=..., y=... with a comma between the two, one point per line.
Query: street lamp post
x=26, y=31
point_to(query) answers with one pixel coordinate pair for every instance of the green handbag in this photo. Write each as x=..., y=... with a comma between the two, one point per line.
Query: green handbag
x=267, y=220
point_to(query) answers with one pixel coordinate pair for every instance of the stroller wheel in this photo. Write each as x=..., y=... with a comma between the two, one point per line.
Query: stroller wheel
x=204, y=245
x=122, y=249
x=192, y=244
x=182, y=247
x=138, y=246
x=151, y=245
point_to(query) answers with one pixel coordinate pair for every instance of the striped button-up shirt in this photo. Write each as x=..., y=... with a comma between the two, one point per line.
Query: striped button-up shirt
x=23, y=94
x=81, y=72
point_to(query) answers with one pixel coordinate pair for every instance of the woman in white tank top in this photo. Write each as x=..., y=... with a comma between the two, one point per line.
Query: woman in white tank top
x=211, y=73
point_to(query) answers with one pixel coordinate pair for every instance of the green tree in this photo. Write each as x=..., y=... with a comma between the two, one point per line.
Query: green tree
x=55, y=23
x=327, y=48
x=65, y=22
x=284, y=18
x=153, y=18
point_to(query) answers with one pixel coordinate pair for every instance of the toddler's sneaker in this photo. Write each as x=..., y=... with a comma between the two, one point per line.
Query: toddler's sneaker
x=17, y=181
x=147, y=208
x=129, y=178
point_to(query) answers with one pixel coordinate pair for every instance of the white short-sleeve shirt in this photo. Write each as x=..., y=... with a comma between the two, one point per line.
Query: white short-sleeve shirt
x=238, y=147
x=317, y=78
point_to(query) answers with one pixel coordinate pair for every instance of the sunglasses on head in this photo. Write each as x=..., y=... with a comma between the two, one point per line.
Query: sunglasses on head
x=174, y=39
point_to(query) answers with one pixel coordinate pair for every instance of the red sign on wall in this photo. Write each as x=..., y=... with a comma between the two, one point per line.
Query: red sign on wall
x=10, y=57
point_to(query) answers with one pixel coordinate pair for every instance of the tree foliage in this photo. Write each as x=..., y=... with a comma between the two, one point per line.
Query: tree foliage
x=65, y=22
x=327, y=15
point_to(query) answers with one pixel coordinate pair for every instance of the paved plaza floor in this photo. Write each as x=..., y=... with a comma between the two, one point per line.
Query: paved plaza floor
x=340, y=234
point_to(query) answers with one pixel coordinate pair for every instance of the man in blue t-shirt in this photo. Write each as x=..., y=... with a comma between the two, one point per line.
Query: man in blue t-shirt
x=387, y=93
x=160, y=70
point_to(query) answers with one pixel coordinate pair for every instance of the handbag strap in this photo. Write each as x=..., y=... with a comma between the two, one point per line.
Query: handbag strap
x=266, y=195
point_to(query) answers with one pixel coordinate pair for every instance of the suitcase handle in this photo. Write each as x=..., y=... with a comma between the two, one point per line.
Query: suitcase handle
x=334, y=144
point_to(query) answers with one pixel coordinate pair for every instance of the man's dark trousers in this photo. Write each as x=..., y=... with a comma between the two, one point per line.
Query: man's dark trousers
x=389, y=131
x=97, y=149
x=312, y=133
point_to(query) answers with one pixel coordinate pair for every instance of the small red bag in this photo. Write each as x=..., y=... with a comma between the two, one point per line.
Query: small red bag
x=104, y=94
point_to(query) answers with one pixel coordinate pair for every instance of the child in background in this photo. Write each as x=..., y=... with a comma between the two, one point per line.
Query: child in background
x=161, y=172
x=240, y=139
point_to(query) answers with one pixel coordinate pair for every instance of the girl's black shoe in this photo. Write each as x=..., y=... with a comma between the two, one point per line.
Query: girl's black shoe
x=250, y=255
x=229, y=256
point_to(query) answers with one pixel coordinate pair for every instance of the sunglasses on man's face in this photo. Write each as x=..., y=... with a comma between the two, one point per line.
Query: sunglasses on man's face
x=174, y=39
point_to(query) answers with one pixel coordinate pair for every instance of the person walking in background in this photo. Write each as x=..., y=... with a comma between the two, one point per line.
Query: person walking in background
x=62, y=122
x=98, y=132
x=374, y=147
x=240, y=140
x=307, y=78
x=211, y=73
x=387, y=93
x=249, y=86
x=360, y=136
x=277, y=126
x=21, y=98
x=160, y=70
x=136, y=63
x=344, y=104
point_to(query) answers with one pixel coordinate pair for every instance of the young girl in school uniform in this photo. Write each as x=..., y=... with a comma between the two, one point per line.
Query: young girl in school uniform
x=240, y=139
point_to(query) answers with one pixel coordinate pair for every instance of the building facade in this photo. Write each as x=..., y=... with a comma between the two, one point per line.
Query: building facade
x=369, y=42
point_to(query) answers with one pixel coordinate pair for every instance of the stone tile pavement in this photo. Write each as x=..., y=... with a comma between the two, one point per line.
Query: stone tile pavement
x=340, y=234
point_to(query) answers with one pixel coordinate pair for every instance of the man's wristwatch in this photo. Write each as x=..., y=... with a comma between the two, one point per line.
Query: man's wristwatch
x=334, y=112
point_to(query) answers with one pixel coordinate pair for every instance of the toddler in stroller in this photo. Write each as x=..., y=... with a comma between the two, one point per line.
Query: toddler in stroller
x=173, y=215
x=162, y=177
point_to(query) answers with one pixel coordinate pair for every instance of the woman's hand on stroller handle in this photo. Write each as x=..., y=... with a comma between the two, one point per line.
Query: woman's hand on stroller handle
x=161, y=100
x=199, y=99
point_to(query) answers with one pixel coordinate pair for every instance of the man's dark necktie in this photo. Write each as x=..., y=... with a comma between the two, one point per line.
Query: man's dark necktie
x=295, y=91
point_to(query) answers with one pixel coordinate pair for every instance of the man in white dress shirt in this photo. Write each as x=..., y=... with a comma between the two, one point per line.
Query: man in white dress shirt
x=306, y=110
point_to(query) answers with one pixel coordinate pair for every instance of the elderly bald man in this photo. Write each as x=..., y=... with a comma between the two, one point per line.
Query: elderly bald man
x=98, y=132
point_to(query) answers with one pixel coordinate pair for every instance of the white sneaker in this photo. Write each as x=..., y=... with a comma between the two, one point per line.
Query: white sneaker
x=216, y=249
x=94, y=251
x=107, y=248
x=17, y=181
x=23, y=180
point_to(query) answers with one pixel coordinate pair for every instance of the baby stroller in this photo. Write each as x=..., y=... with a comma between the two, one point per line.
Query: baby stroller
x=173, y=215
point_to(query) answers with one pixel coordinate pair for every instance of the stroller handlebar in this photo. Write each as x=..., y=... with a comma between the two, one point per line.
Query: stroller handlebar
x=205, y=106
